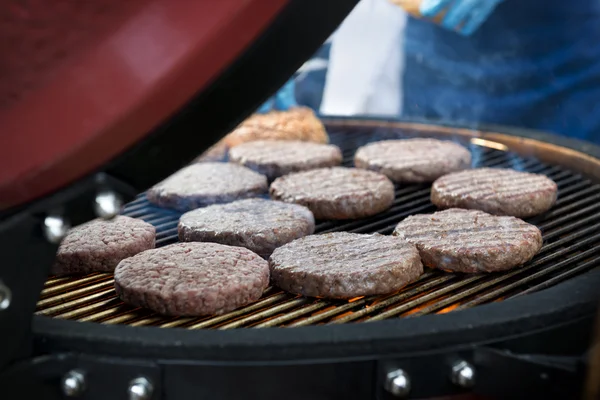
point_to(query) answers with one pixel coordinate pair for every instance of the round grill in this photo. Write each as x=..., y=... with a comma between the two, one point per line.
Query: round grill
x=571, y=233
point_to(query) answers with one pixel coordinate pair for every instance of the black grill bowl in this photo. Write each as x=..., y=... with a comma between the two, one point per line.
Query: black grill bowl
x=546, y=308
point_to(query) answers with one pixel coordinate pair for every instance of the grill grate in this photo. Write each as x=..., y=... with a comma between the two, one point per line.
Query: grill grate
x=571, y=233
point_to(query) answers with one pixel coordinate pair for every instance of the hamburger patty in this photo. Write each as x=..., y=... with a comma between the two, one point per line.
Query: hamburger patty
x=99, y=245
x=470, y=240
x=345, y=265
x=297, y=123
x=203, y=184
x=256, y=224
x=413, y=160
x=496, y=191
x=275, y=158
x=336, y=193
x=192, y=279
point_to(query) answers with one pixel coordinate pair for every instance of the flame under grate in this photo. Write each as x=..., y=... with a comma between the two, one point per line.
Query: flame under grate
x=571, y=233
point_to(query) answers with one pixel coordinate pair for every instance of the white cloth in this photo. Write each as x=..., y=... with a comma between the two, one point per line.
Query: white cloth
x=365, y=62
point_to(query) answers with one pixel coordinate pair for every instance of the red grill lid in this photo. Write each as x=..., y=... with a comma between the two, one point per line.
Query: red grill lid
x=80, y=81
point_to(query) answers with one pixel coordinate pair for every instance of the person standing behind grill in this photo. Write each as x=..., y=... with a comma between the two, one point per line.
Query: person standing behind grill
x=526, y=63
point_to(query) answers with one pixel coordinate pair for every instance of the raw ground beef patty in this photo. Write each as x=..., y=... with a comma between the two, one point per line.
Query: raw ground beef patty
x=99, y=245
x=257, y=224
x=345, y=265
x=496, y=191
x=470, y=240
x=336, y=193
x=203, y=184
x=275, y=158
x=413, y=160
x=192, y=279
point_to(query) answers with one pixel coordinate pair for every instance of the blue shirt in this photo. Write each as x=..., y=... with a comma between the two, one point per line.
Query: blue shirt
x=533, y=64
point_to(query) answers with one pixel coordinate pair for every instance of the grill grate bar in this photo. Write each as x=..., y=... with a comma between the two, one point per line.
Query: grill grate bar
x=371, y=301
x=146, y=321
x=562, y=220
x=267, y=313
x=466, y=293
x=506, y=288
x=65, y=297
x=425, y=299
x=70, y=284
x=372, y=304
x=580, y=189
x=82, y=311
x=566, y=240
x=573, y=206
x=55, y=281
x=121, y=319
x=51, y=311
x=562, y=277
x=280, y=320
x=571, y=231
x=275, y=299
x=571, y=189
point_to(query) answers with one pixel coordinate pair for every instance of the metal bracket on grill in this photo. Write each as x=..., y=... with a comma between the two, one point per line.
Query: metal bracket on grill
x=494, y=374
x=86, y=377
x=487, y=372
x=29, y=249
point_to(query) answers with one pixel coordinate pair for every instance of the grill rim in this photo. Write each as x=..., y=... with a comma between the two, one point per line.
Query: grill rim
x=494, y=322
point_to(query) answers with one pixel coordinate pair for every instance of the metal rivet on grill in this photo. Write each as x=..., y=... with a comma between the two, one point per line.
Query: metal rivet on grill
x=140, y=389
x=55, y=228
x=5, y=296
x=463, y=374
x=397, y=383
x=107, y=205
x=73, y=383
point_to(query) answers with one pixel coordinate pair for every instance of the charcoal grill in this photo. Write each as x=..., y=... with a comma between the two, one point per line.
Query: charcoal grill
x=530, y=326
x=521, y=332
x=571, y=234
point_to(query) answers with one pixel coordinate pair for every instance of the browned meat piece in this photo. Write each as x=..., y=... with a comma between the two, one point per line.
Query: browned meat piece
x=496, y=191
x=345, y=265
x=207, y=183
x=275, y=158
x=190, y=279
x=336, y=193
x=99, y=245
x=256, y=224
x=298, y=123
x=470, y=240
x=413, y=160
